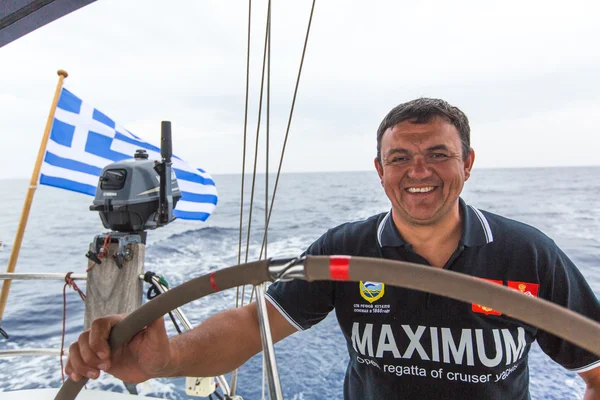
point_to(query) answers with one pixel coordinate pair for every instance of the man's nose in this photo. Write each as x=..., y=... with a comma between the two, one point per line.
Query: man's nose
x=419, y=169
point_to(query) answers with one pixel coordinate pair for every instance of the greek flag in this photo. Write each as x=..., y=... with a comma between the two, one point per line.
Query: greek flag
x=83, y=140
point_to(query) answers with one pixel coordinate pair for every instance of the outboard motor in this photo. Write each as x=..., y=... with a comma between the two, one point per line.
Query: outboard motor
x=135, y=195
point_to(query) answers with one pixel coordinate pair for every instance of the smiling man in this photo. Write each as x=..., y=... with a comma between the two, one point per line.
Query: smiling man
x=402, y=343
x=406, y=344
x=423, y=163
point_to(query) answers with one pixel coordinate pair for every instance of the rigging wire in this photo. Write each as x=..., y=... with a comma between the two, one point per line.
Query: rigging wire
x=239, y=296
x=239, y=303
x=264, y=242
x=268, y=125
x=267, y=50
x=264, y=373
x=287, y=131
x=237, y=293
x=260, y=103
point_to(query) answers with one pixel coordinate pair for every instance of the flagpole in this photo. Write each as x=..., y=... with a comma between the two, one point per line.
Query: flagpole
x=14, y=254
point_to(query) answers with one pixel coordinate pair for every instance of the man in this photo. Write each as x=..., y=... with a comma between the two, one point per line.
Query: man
x=403, y=344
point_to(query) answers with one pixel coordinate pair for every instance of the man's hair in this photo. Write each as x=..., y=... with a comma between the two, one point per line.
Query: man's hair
x=422, y=111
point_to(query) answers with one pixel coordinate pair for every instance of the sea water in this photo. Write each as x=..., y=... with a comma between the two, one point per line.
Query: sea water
x=562, y=202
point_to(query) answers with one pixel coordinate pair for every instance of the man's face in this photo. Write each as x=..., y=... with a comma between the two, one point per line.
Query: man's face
x=422, y=170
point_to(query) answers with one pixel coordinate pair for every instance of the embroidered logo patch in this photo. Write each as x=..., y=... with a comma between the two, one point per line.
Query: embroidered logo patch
x=478, y=308
x=371, y=291
x=528, y=289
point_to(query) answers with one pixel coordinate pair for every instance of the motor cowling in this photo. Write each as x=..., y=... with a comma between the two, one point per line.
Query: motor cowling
x=128, y=194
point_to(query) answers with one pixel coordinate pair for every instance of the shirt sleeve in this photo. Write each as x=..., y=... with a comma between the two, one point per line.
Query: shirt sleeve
x=303, y=303
x=565, y=285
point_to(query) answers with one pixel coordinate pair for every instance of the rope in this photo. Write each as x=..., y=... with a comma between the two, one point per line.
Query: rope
x=103, y=252
x=68, y=282
x=153, y=292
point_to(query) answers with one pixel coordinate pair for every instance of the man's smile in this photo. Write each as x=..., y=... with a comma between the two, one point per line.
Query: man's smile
x=425, y=189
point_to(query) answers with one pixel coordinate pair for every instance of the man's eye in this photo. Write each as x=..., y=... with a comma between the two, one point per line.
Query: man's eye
x=439, y=155
x=399, y=159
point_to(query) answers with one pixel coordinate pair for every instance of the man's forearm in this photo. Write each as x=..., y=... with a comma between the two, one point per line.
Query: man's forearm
x=592, y=382
x=219, y=345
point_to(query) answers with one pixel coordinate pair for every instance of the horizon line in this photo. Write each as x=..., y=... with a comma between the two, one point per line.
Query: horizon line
x=365, y=170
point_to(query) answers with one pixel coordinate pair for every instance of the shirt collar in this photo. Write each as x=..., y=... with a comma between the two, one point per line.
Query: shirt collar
x=476, y=230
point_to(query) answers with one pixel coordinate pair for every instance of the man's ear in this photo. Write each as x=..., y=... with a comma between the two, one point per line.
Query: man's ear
x=379, y=168
x=468, y=163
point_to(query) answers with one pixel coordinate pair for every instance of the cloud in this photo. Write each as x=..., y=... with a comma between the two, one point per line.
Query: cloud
x=523, y=72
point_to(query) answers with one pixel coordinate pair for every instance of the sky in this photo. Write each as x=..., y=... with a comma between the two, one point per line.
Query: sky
x=525, y=73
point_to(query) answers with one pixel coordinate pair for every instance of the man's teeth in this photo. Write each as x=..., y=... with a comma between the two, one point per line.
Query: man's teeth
x=421, y=190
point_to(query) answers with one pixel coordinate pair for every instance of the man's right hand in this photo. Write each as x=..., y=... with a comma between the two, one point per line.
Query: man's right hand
x=146, y=355
x=219, y=345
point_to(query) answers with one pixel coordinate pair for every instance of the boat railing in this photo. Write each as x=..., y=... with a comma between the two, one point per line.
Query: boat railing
x=157, y=281
x=41, y=276
x=31, y=352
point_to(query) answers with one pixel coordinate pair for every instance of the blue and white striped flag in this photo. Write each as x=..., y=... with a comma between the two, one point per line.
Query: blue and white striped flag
x=83, y=140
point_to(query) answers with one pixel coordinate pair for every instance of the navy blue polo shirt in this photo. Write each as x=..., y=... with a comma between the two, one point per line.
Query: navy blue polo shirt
x=408, y=344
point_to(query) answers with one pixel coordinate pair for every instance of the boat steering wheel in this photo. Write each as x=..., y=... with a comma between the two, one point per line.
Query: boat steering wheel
x=543, y=314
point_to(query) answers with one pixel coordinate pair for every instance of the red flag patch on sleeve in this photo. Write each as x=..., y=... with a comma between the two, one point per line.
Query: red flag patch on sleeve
x=529, y=289
x=478, y=308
